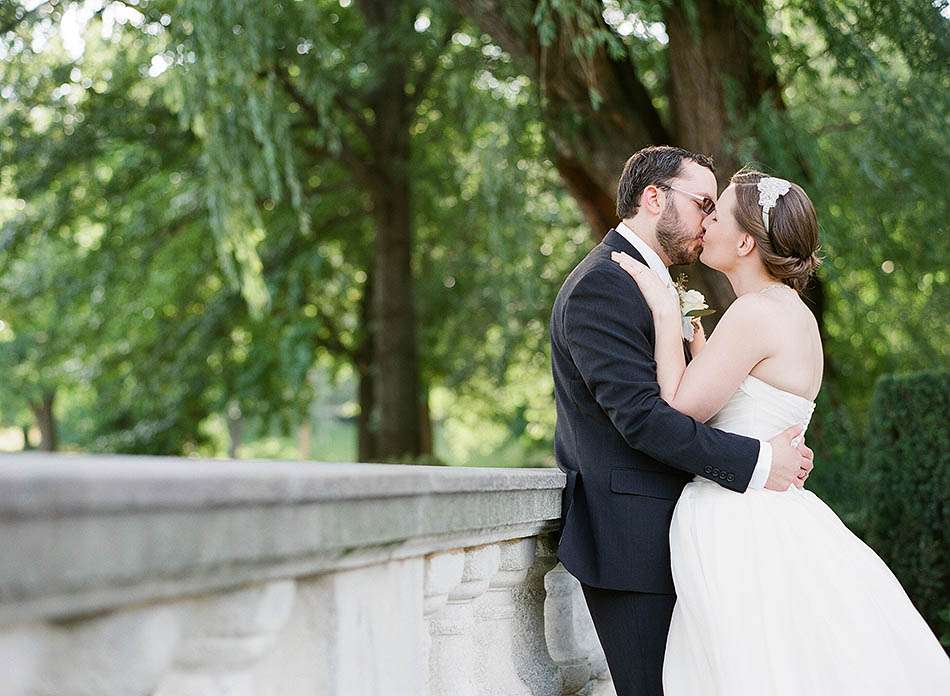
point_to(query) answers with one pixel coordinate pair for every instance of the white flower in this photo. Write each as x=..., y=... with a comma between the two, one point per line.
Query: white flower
x=692, y=300
x=692, y=306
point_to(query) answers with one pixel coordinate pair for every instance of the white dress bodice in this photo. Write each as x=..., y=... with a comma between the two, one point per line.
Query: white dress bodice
x=775, y=596
x=761, y=411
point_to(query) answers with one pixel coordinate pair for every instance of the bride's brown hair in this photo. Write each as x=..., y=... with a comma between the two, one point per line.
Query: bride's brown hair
x=789, y=247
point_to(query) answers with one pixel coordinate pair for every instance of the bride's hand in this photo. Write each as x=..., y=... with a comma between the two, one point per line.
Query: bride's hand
x=699, y=337
x=657, y=295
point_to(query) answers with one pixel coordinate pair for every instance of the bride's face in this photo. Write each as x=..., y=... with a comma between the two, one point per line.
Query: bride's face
x=721, y=234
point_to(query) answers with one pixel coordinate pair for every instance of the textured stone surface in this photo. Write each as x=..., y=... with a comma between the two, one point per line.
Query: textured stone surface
x=116, y=654
x=224, y=638
x=44, y=484
x=153, y=576
x=90, y=533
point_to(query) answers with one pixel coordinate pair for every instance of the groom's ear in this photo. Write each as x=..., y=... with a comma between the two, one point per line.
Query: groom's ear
x=650, y=200
x=746, y=244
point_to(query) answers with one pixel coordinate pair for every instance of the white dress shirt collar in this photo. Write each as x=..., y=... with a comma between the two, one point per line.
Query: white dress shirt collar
x=650, y=256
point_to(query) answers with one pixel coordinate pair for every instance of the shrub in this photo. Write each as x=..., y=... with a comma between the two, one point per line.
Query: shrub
x=838, y=444
x=907, y=463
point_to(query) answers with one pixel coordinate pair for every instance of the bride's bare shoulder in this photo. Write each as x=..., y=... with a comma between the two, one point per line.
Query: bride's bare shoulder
x=788, y=306
x=749, y=308
x=763, y=315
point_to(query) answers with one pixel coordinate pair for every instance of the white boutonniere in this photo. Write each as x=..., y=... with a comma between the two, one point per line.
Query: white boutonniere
x=692, y=306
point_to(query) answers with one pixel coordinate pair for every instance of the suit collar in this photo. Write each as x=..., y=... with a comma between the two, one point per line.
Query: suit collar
x=617, y=242
x=653, y=259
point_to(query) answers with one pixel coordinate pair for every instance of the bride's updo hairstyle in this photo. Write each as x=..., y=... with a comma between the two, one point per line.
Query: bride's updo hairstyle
x=789, y=247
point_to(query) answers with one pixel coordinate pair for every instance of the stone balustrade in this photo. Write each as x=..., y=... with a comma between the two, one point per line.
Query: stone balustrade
x=155, y=576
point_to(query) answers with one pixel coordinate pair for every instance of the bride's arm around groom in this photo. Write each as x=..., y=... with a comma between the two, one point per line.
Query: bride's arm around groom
x=608, y=326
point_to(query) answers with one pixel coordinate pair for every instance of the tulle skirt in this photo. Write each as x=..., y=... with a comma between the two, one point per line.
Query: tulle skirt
x=776, y=597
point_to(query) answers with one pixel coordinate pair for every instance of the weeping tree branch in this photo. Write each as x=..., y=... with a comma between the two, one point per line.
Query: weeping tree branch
x=590, y=138
x=427, y=73
x=358, y=119
x=339, y=100
x=347, y=154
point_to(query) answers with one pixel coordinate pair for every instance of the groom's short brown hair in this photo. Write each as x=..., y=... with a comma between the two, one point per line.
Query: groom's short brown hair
x=657, y=165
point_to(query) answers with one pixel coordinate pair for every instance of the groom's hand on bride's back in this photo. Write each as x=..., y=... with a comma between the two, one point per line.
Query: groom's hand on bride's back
x=792, y=461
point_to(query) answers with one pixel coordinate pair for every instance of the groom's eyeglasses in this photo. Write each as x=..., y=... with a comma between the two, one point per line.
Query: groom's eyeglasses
x=706, y=204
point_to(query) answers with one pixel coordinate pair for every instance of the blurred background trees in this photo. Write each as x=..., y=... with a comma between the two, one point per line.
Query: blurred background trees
x=334, y=228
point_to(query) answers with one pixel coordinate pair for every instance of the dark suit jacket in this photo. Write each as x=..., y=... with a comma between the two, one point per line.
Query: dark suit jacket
x=627, y=454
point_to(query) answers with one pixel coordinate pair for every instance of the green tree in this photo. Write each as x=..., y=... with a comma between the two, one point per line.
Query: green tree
x=385, y=104
x=108, y=247
x=172, y=333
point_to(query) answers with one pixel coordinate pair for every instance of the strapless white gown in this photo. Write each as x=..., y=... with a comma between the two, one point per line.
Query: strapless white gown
x=776, y=597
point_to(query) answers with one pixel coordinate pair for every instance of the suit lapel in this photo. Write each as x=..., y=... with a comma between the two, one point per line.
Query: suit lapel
x=618, y=242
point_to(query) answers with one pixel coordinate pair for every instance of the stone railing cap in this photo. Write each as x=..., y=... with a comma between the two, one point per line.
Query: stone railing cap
x=45, y=484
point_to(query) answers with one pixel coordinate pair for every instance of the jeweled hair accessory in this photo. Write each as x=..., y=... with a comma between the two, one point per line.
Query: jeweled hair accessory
x=770, y=190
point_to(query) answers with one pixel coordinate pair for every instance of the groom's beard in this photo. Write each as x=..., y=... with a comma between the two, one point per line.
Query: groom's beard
x=674, y=239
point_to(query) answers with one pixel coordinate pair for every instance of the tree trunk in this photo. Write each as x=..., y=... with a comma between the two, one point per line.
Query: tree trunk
x=720, y=69
x=425, y=424
x=366, y=389
x=397, y=373
x=46, y=422
x=590, y=143
x=365, y=430
x=304, y=431
x=235, y=421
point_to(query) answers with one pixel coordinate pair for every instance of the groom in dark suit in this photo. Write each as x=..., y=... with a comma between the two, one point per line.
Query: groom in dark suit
x=626, y=453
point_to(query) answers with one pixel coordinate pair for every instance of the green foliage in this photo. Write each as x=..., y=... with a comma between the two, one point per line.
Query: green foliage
x=183, y=240
x=908, y=471
x=110, y=275
x=89, y=209
x=838, y=444
x=489, y=216
x=627, y=29
x=127, y=187
x=862, y=128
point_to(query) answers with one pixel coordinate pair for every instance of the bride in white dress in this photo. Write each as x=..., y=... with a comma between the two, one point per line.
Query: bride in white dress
x=775, y=596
